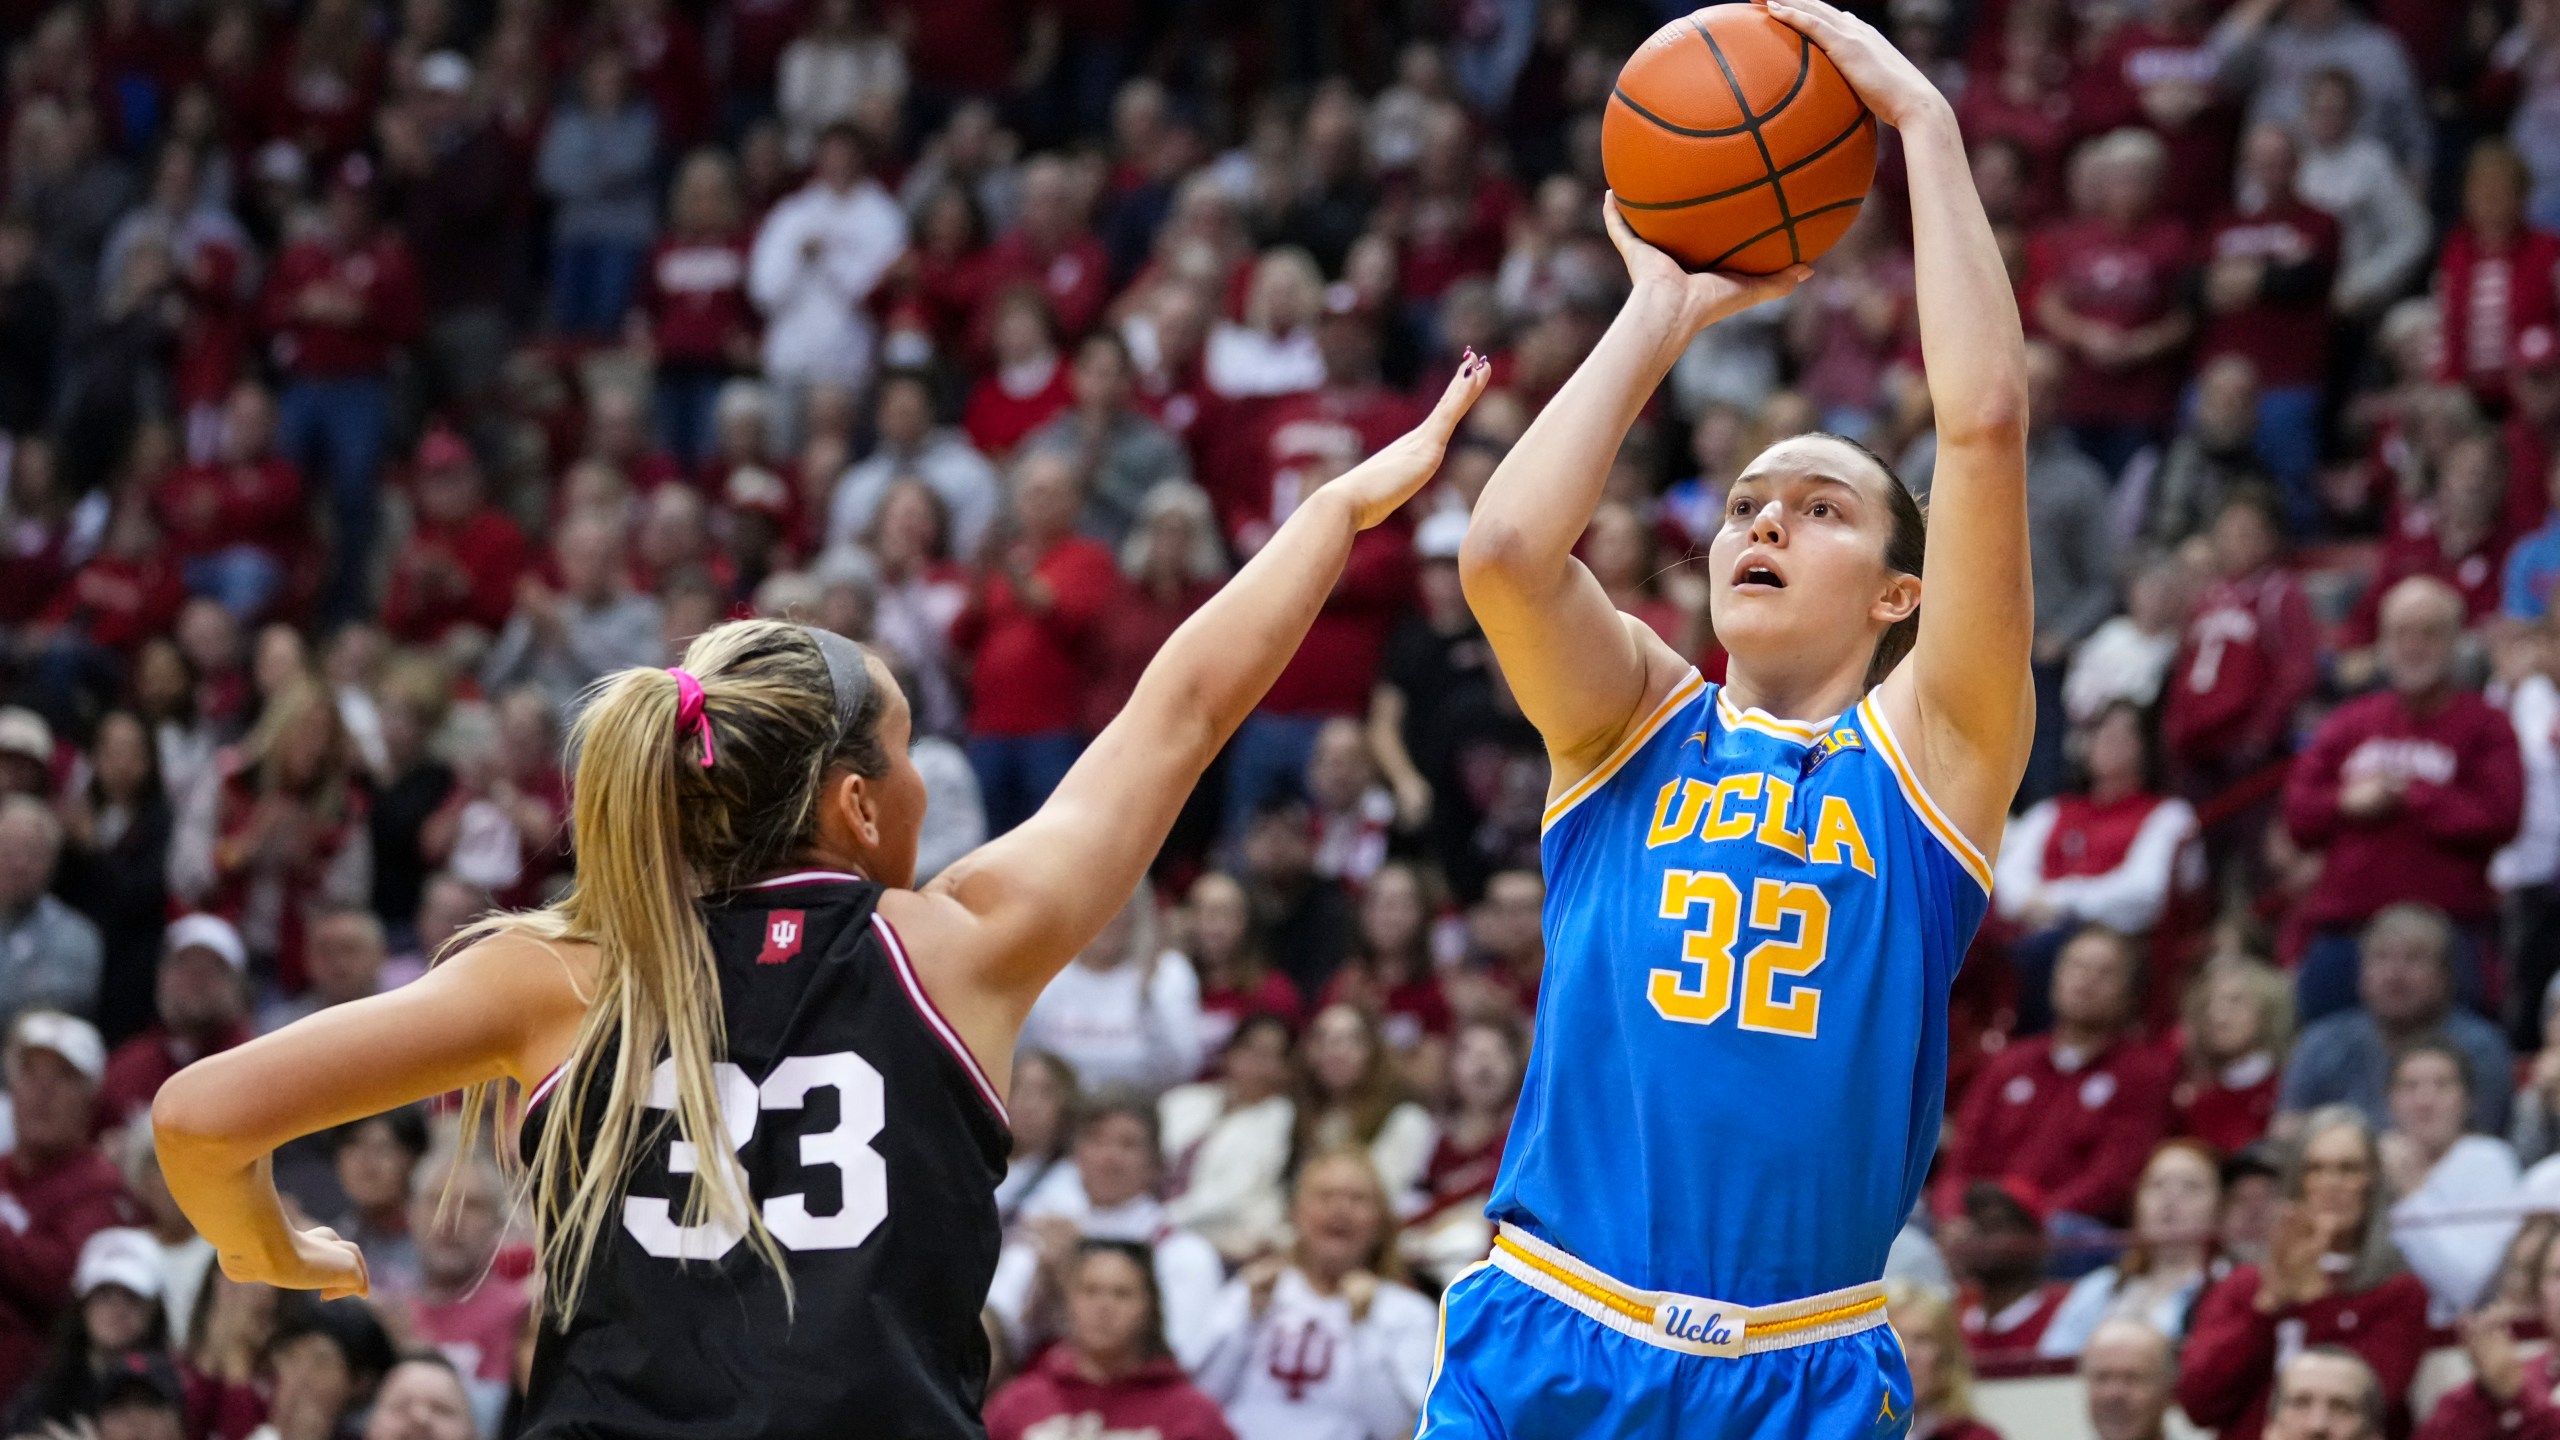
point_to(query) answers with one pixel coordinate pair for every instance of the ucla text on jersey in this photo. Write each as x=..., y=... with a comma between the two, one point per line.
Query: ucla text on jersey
x=1751, y=927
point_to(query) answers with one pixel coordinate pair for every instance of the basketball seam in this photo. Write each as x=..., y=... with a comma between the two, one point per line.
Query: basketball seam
x=1627, y=100
x=1788, y=226
x=1752, y=123
x=1834, y=143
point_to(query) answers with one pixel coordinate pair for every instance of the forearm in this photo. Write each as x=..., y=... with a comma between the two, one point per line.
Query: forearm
x=231, y=1200
x=1971, y=343
x=1542, y=496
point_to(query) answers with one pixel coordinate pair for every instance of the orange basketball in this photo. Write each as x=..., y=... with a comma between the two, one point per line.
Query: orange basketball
x=1733, y=143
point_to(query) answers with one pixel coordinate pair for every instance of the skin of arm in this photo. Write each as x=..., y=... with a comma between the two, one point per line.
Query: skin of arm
x=1962, y=703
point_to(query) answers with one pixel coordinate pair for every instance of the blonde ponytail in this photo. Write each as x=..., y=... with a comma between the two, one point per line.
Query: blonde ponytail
x=655, y=829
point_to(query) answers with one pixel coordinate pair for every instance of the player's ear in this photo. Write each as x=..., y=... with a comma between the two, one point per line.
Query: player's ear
x=848, y=812
x=1899, y=600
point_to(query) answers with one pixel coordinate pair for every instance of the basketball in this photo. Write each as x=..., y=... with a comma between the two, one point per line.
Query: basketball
x=1734, y=144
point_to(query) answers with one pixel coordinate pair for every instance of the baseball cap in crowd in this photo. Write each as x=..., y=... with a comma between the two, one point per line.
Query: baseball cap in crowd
x=69, y=1036
x=23, y=732
x=2538, y=348
x=1440, y=536
x=144, y=1377
x=208, y=932
x=444, y=73
x=120, y=1255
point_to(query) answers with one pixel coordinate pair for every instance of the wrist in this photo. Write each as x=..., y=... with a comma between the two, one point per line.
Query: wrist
x=1927, y=115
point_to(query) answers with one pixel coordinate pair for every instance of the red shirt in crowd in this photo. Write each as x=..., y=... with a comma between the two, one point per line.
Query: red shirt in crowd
x=120, y=601
x=449, y=575
x=1075, y=278
x=2232, y=1110
x=478, y=1330
x=2227, y=1373
x=695, y=295
x=388, y=311
x=2462, y=797
x=1258, y=476
x=141, y=1065
x=2012, y=1333
x=998, y=415
x=2127, y=279
x=2486, y=297
x=1336, y=666
x=2416, y=548
x=45, y=1217
x=668, y=67
x=206, y=509
x=2140, y=56
x=2285, y=331
x=1457, y=1174
x=1058, y=1398
x=2470, y=1412
x=2078, y=1127
x=1223, y=1008
x=1032, y=665
x=1131, y=632
x=2250, y=656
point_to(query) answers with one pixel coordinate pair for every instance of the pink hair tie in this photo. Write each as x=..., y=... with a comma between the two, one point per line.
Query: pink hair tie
x=690, y=716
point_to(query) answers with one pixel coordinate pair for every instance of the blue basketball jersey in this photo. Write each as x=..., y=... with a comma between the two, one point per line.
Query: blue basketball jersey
x=1751, y=925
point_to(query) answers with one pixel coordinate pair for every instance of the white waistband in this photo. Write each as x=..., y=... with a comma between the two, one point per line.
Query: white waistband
x=1692, y=1324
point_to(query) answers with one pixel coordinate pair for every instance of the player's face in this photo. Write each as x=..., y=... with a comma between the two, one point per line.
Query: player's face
x=1797, y=567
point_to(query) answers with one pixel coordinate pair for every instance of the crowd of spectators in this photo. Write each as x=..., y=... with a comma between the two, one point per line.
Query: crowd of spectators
x=376, y=376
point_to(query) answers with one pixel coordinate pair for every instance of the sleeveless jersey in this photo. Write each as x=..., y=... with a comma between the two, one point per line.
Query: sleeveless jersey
x=1740, y=1065
x=871, y=1143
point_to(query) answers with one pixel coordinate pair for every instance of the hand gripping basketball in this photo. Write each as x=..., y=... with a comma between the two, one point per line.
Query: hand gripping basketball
x=1885, y=79
x=1704, y=297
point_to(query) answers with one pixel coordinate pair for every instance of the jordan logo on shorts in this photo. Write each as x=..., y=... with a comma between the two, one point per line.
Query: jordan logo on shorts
x=782, y=932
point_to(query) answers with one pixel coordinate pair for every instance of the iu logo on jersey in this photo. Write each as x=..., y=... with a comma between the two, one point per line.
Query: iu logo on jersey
x=782, y=932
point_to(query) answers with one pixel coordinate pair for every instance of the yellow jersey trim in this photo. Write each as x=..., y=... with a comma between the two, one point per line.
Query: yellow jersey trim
x=1890, y=747
x=1582, y=789
x=1803, y=732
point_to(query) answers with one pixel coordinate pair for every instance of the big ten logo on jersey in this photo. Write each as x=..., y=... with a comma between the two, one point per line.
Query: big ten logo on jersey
x=1762, y=811
x=783, y=930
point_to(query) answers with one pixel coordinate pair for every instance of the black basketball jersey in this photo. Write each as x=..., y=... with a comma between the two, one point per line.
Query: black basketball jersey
x=871, y=1143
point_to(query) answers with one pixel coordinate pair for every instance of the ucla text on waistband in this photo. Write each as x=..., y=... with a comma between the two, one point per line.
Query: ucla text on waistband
x=1710, y=1327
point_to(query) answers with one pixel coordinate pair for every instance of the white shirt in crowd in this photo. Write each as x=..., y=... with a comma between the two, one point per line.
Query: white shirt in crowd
x=1134, y=1025
x=1305, y=1371
x=1401, y=1150
x=1224, y=1170
x=1241, y=361
x=2128, y=898
x=2119, y=661
x=2534, y=855
x=2459, y=1259
x=815, y=327
x=1188, y=1269
x=824, y=80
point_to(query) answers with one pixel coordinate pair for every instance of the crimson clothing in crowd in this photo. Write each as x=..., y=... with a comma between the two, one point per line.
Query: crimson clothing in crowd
x=210, y=508
x=2415, y=548
x=1256, y=475
x=1031, y=666
x=33, y=551
x=459, y=574
x=695, y=295
x=1075, y=278
x=2231, y=1110
x=2485, y=298
x=960, y=47
x=1449, y=238
x=998, y=417
x=1131, y=632
x=1408, y=1011
x=119, y=603
x=2529, y=455
x=668, y=67
x=2127, y=279
x=141, y=1065
x=2285, y=332
x=268, y=901
x=2248, y=659
x=1223, y=1008
x=1056, y=1399
x=45, y=1217
x=2472, y=1413
x=391, y=309
x=1959, y=1430
x=2227, y=1373
x=2140, y=55
x=2078, y=1127
x=2039, y=124
x=2462, y=799
x=2013, y=1332
x=1457, y=1174
x=1336, y=666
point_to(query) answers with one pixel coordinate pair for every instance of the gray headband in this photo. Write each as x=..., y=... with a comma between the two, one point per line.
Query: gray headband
x=847, y=673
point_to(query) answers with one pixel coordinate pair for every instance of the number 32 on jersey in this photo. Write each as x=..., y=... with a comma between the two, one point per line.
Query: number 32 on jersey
x=1794, y=915
x=845, y=1148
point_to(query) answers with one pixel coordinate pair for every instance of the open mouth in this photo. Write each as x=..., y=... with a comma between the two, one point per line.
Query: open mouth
x=1752, y=573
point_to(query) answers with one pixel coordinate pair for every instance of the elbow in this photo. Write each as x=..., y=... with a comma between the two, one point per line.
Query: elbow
x=187, y=1123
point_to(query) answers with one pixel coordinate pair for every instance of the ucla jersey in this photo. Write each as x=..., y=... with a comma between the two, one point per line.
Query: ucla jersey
x=1751, y=928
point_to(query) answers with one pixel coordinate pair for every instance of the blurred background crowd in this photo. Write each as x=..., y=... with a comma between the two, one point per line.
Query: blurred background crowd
x=376, y=374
